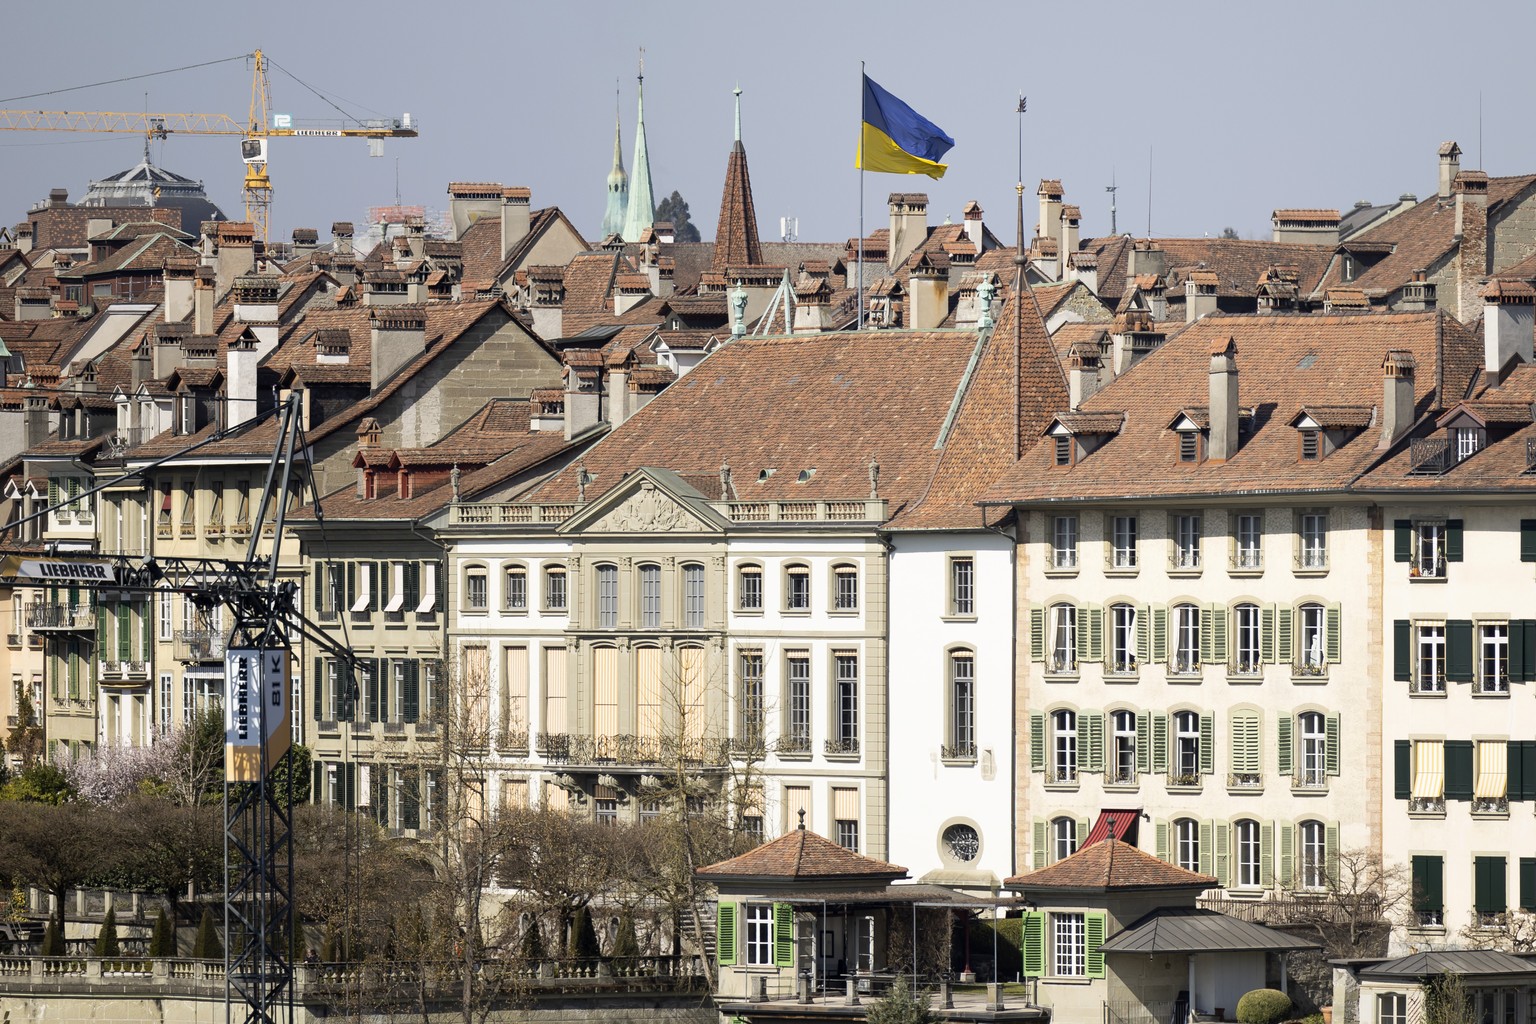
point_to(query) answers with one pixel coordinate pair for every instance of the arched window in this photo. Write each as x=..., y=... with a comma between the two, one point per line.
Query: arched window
x=1246, y=840
x=514, y=596
x=650, y=596
x=607, y=596
x=1063, y=838
x=1063, y=747
x=797, y=588
x=475, y=588
x=1312, y=862
x=693, y=594
x=1063, y=653
x=749, y=588
x=962, y=705
x=1186, y=844
x=1123, y=768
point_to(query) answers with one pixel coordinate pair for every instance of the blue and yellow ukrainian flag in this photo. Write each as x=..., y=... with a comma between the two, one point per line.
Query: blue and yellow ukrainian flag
x=897, y=139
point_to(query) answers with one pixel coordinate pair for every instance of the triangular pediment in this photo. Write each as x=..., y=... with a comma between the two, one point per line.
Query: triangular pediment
x=648, y=501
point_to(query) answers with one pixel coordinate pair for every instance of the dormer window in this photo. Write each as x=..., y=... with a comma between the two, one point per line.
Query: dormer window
x=1064, y=449
x=1311, y=445
x=1468, y=441
x=1189, y=446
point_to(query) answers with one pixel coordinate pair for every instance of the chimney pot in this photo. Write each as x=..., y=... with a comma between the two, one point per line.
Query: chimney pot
x=1223, y=408
x=1397, y=409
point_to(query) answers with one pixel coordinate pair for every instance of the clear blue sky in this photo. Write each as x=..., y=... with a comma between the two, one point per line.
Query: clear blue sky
x=1242, y=107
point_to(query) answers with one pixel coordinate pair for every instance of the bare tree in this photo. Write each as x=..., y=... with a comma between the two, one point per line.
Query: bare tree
x=56, y=847
x=1446, y=1001
x=1361, y=896
x=1515, y=934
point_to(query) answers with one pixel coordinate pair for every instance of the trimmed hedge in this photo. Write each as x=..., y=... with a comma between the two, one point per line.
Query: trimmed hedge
x=1264, y=1006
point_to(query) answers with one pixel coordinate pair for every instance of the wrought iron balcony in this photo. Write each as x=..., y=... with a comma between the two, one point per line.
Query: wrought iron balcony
x=629, y=751
x=845, y=746
x=1429, y=455
x=62, y=617
x=1245, y=780
x=1310, y=779
x=1184, y=780
x=795, y=743
x=194, y=645
x=1426, y=805
x=958, y=751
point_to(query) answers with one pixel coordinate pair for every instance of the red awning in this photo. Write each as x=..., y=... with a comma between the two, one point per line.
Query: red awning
x=1120, y=824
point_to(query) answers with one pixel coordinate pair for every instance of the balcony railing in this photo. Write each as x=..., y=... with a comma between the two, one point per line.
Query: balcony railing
x=1184, y=664
x=1312, y=560
x=1246, y=560
x=1064, y=558
x=1429, y=918
x=1184, y=560
x=848, y=745
x=794, y=744
x=1310, y=667
x=627, y=750
x=1310, y=779
x=1429, y=455
x=121, y=670
x=1245, y=780
x=1062, y=663
x=1490, y=805
x=1061, y=775
x=1426, y=805
x=958, y=751
x=61, y=616
x=1431, y=568
x=1493, y=684
x=1121, y=558
x=1427, y=684
x=1183, y=780
x=197, y=645
x=1120, y=777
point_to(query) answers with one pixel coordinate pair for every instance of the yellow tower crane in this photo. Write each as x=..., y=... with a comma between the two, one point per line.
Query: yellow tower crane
x=260, y=125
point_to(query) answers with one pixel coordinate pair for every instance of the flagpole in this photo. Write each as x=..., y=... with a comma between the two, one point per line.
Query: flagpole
x=860, y=292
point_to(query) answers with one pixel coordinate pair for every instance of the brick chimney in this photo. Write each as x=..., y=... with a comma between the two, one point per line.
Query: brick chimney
x=469, y=201
x=178, y=273
x=1471, y=190
x=1509, y=323
x=397, y=334
x=1397, y=412
x=1450, y=166
x=236, y=252
x=1222, y=444
x=909, y=225
x=928, y=293
x=202, y=301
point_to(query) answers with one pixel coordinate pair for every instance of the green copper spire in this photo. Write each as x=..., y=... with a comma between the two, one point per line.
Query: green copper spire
x=640, y=212
x=618, y=181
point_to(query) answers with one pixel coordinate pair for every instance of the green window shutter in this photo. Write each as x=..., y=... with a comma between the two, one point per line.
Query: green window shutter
x=1528, y=768
x=1458, y=769
x=1402, y=540
x=1160, y=828
x=1083, y=825
x=1223, y=835
x=351, y=587
x=317, y=687
x=1207, y=849
x=1528, y=540
x=318, y=580
x=1489, y=874
x=53, y=494
x=1034, y=944
x=1267, y=854
x=1207, y=632
x=783, y=935
x=1095, y=627
x=1038, y=850
x=410, y=699
x=1428, y=894
x=1287, y=858
x=1513, y=770
x=1159, y=634
x=1094, y=923
x=1335, y=619
x=1285, y=650
x=1207, y=744
x=1159, y=743
x=1218, y=633
x=1082, y=634
x=1453, y=540
x=1037, y=634
x=1528, y=883
x=124, y=632
x=1332, y=737
x=1402, y=650
x=725, y=934
x=1331, y=849
x=1528, y=649
x=1143, y=635
x=1144, y=743
x=1517, y=652
x=1037, y=741
x=1267, y=633
x=1283, y=745
x=1458, y=650
x=1095, y=720
x=349, y=788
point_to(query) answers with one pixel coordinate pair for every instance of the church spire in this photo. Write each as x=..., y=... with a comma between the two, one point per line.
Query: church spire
x=736, y=242
x=640, y=212
x=618, y=181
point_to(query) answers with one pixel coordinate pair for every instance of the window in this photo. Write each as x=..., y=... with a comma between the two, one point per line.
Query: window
x=1248, y=541
x=1186, y=640
x=1245, y=651
x=1428, y=560
x=1122, y=638
x=962, y=684
x=1489, y=900
x=845, y=739
x=606, y=810
x=1392, y=1008
x=1312, y=658
x=1493, y=660
x=650, y=595
x=962, y=842
x=845, y=817
x=1249, y=854
x=848, y=834
x=1122, y=542
x=1123, y=768
x=1426, y=794
x=749, y=588
x=1312, y=732
x=1063, y=449
x=845, y=588
x=1490, y=792
x=1068, y=946
x=1064, y=542
x=1313, y=537
x=474, y=588
x=554, y=588
x=962, y=586
x=515, y=598
x=1430, y=677
x=797, y=669
x=1063, y=838
x=1468, y=442
x=797, y=588
x=1311, y=448
x=1189, y=446
x=1428, y=891
x=1186, y=844
x=750, y=666
x=1186, y=748
x=1063, y=638
x=693, y=595
x=607, y=596
x=1063, y=747
x=1247, y=753
x=1186, y=541
x=163, y=620
x=759, y=934
x=1312, y=871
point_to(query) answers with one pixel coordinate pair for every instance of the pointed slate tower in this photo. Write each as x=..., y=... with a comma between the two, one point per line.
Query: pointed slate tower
x=640, y=212
x=618, y=182
x=736, y=242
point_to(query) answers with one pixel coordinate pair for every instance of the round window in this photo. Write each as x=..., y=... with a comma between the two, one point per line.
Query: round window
x=963, y=842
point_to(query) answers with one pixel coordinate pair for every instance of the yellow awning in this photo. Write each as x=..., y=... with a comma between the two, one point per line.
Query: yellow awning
x=1492, y=769
x=1428, y=769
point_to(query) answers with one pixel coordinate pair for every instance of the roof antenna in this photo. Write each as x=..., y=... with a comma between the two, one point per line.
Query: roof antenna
x=1112, y=188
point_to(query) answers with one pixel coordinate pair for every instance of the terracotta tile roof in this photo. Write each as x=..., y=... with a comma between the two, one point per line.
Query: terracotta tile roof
x=1238, y=263
x=1332, y=417
x=1307, y=214
x=1090, y=422
x=736, y=241
x=801, y=853
x=1110, y=866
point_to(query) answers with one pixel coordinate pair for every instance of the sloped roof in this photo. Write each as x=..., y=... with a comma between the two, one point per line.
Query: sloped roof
x=1464, y=962
x=1193, y=930
x=801, y=853
x=1110, y=866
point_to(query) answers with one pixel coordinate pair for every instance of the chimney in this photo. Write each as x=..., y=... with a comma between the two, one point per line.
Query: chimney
x=975, y=230
x=341, y=238
x=1132, y=337
x=813, y=309
x=202, y=301
x=662, y=271
x=1199, y=294
x=1050, y=194
x=1145, y=258
x=618, y=390
x=1222, y=444
x=1067, y=230
x=1509, y=323
x=1397, y=412
x=178, y=272
x=909, y=225
x=386, y=288
x=547, y=285
x=469, y=201
x=142, y=365
x=416, y=236
x=1083, y=361
x=58, y=198
x=24, y=236
x=36, y=418
x=397, y=335
x=33, y=303
x=516, y=216
x=1471, y=189
x=1418, y=293
x=95, y=227
x=583, y=400
x=928, y=294
x=168, y=351
x=240, y=381
x=629, y=291
x=305, y=240
x=255, y=298
x=1450, y=166
x=236, y=254
x=1084, y=267
x=1305, y=227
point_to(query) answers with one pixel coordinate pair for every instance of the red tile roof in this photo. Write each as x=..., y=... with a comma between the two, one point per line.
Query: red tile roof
x=1111, y=866
x=802, y=854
